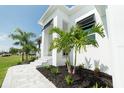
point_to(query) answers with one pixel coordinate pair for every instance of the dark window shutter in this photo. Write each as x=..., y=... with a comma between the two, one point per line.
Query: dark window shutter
x=87, y=23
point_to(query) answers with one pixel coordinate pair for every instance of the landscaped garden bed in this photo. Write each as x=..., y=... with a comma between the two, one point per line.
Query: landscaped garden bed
x=83, y=78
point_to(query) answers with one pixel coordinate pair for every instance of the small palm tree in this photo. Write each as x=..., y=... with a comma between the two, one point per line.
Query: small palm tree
x=82, y=38
x=62, y=43
x=24, y=40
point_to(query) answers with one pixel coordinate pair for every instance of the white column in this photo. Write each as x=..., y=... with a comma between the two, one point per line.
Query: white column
x=54, y=51
x=115, y=20
x=57, y=57
x=42, y=44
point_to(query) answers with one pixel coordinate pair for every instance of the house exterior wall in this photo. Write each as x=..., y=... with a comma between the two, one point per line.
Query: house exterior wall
x=43, y=44
x=61, y=17
x=102, y=53
x=111, y=48
x=57, y=58
x=115, y=21
x=46, y=39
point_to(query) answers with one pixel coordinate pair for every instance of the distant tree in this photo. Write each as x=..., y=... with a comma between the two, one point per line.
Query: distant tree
x=24, y=39
x=13, y=50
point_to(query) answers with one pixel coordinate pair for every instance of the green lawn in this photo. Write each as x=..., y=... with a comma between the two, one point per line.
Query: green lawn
x=5, y=63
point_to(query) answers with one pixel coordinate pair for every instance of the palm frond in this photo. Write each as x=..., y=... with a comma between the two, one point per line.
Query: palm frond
x=56, y=30
x=24, y=39
x=19, y=31
x=30, y=34
x=98, y=29
x=15, y=36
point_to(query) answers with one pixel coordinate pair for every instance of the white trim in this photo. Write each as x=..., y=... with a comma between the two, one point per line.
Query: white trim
x=86, y=15
x=68, y=11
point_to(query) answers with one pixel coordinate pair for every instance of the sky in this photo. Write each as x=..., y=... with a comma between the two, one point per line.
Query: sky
x=23, y=17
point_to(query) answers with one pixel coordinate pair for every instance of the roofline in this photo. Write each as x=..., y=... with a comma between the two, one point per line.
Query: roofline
x=68, y=11
x=51, y=8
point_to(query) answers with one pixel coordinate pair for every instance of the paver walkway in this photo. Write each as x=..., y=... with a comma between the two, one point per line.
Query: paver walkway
x=25, y=76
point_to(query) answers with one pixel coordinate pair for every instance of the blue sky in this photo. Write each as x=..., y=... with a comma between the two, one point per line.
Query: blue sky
x=24, y=17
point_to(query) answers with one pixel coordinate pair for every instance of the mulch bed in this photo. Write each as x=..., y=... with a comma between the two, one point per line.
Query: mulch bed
x=83, y=78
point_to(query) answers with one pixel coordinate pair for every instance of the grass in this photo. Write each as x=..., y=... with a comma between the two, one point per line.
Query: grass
x=5, y=63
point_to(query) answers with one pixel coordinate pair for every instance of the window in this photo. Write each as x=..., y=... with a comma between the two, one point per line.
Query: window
x=87, y=23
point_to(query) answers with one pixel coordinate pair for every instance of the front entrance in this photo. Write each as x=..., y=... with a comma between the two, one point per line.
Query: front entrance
x=47, y=41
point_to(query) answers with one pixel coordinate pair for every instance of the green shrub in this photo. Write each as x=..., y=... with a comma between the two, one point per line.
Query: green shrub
x=96, y=85
x=55, y=70
x=96, y=70
x=69, y=79
x=48, y=67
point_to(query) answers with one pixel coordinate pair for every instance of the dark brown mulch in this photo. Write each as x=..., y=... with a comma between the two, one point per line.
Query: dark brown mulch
x=83, y=78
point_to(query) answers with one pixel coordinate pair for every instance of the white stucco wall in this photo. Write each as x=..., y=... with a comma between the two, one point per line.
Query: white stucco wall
x=43, y=44
x=46, y=39
x=58, y=58
x=115, y=16
x=61, y=17
x=44, y=36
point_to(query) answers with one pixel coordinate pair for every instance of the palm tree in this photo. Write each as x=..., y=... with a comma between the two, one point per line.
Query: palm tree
x=82, y=38
x=24, y=40
x=62, y=43
x=29, y=47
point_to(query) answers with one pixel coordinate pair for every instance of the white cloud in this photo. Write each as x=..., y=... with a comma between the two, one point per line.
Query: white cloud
x=4, y=37
x=5, y=42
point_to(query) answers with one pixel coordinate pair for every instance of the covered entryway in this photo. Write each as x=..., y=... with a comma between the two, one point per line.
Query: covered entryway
x=46, y=40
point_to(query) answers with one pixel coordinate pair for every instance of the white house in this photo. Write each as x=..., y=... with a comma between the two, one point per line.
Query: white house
x=111, y=48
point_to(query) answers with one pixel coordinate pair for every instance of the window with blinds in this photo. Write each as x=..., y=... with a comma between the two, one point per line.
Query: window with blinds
x=87, y=23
